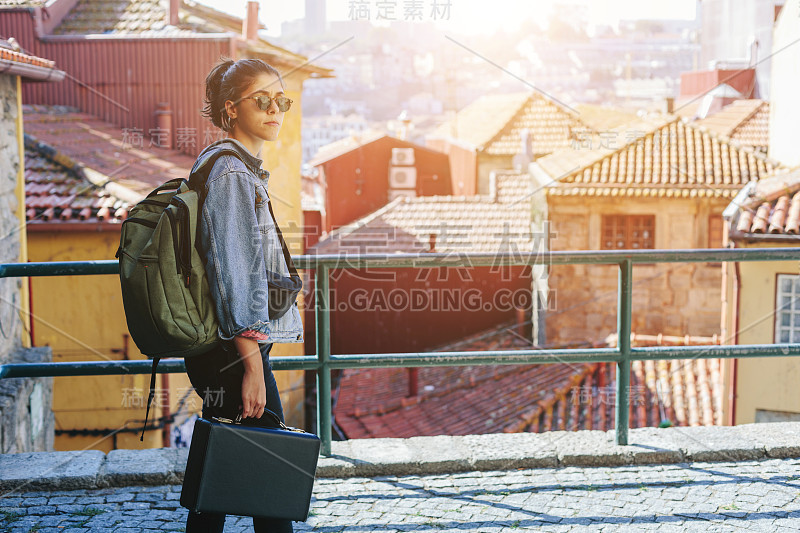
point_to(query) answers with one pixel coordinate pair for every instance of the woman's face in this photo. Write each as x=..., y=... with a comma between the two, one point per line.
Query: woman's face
x=252, y=123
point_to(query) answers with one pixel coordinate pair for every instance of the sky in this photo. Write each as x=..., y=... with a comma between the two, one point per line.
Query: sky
x=468, y=16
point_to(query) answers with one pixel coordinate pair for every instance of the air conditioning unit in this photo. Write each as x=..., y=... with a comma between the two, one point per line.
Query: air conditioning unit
x=402, y=177
x=396, y=193
x=402, y=156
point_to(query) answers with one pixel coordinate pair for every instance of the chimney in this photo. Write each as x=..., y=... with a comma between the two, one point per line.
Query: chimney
x=250, y=23
x=163, y=117
x=521, y=322
x=669, y=105
x=172, y=13
x=432, y=242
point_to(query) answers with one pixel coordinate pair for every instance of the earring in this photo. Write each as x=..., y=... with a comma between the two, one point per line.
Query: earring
x=226, y=121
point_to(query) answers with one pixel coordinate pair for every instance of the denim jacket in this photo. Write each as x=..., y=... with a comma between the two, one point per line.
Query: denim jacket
x=238, y=242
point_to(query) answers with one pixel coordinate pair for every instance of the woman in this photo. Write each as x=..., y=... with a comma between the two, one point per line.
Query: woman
x=239, y=243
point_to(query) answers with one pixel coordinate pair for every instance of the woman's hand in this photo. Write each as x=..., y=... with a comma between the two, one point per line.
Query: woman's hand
x=254, y=390
x=254, y=394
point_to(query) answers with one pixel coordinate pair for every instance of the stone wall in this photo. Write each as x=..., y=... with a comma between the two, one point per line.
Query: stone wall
x=668, y=298
x=27, y=423
x=26, y=415
x=10, y=295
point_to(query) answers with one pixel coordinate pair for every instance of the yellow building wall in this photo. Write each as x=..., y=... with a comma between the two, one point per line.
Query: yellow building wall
x=766, y=383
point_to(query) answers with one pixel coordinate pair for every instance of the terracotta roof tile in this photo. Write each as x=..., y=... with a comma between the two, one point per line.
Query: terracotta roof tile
x=515, y=398
x=494, y=124
x=460, y=223
x=656, y=156
x=771, y=209
x=15, y=56
x=55, y=192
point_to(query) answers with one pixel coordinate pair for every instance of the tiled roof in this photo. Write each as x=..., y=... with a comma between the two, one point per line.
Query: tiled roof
x=480, y=223
x=659, y=155
x=105, y=149
x=746, y=121
x=55, y=192
x=125, y=17
x=771, y=210
x=7, y=53
x=494, y=124
x=517, y=398
x=10, y=4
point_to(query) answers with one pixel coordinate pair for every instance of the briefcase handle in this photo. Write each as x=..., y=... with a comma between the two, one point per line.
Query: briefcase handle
x=269, y=413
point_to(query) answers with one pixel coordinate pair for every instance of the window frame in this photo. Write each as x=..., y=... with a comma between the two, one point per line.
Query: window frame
x=630, y=222
x=779, y=313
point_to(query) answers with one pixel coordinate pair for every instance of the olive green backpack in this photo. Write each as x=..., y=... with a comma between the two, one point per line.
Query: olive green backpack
x=168, y=304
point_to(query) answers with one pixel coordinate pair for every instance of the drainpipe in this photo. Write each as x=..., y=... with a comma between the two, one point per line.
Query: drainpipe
x=734, y=371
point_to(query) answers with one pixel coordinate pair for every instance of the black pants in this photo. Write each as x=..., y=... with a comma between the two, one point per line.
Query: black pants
x=217, y=377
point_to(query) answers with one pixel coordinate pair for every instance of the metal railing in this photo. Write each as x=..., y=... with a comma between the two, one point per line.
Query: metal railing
x=323, y=362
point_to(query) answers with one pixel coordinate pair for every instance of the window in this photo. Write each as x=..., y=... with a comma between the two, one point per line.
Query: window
x=628, y=232
x=787, y=305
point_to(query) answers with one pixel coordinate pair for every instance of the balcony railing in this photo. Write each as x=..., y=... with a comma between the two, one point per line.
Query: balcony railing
x=323, y=362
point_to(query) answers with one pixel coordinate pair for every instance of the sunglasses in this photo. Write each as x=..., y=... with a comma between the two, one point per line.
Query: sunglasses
x=263, y=101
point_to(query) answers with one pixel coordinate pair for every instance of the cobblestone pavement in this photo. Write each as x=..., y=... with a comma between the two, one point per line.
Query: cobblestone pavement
x=708, y=497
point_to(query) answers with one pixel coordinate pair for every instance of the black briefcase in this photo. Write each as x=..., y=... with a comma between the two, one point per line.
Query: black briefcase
x=250, y=471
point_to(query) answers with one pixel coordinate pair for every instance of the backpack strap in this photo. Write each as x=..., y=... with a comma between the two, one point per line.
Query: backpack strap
x=198, y=179
x=286, y=255
x=150, y=396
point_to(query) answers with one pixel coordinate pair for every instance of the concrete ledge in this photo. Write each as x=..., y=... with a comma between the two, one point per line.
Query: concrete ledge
x=50, y=470
x=425, y=455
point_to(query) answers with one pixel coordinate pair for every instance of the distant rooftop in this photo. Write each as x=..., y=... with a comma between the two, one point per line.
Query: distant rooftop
x=527, y=398
x=480, y=223
x=494, y=124
x=658, y=155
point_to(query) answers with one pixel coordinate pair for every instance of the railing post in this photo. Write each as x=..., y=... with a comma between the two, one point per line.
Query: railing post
x=625, y=300
x=323, y=323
